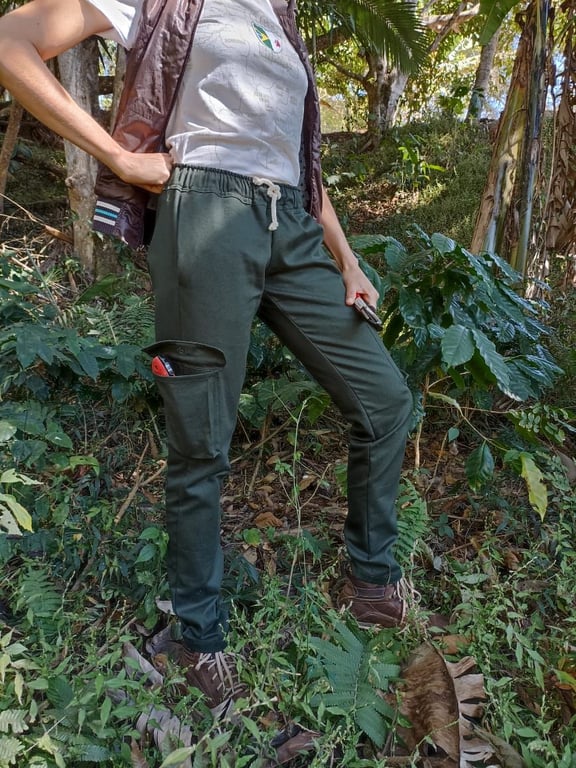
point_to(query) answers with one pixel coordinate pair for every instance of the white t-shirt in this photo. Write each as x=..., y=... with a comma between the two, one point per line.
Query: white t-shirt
x=241, y=103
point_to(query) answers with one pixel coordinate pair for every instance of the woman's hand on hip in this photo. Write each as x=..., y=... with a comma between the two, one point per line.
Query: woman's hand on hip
x=148, y=170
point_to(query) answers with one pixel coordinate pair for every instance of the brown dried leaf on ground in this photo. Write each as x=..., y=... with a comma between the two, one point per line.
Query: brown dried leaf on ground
x=137, y=758
x=294, y=740
x=505, y=755
x=439, y=698
x=167, y=731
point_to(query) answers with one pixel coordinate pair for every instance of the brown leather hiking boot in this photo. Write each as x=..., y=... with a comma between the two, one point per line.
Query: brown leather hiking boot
x=212, y=673
x=373, y=603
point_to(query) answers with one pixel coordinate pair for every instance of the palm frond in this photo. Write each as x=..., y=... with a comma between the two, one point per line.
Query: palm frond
x=494, y=13
x=390, y=27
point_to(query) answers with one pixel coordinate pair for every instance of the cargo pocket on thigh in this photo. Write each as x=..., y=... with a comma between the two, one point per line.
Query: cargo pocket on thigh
x=192, y=396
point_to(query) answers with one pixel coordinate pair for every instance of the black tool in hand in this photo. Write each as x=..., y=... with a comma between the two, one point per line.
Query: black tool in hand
x=367, y=311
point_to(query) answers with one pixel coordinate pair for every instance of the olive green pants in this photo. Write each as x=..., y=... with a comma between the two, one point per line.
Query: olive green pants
x=215, y=265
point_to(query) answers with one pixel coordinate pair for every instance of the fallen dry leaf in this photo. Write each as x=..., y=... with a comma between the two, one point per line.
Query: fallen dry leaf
x=294, y=740
x=267, y=520
x=438, y=698
x=137, y=758
x=307, y=481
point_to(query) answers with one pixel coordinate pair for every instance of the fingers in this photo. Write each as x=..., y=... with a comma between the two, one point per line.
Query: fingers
x=362, y=288
x=150, y=171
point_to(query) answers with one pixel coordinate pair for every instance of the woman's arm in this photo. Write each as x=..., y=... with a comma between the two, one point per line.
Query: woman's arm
x=37, y=32
x=355, y=280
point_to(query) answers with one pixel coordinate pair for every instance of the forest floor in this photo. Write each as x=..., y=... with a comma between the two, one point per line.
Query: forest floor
x=504, y=574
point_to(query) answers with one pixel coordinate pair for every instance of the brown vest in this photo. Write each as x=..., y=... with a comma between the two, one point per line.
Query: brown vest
x=154, y=69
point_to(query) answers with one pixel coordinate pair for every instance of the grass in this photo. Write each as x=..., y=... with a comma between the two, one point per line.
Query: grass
x=384, y=195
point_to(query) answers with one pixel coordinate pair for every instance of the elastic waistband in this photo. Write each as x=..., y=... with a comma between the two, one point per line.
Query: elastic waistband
x=219, y=182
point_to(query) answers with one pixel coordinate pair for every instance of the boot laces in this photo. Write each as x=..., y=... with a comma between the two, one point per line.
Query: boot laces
x=407, y=592
x=219, y=668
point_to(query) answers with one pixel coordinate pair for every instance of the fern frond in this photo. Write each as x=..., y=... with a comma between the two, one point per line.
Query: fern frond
x=9, y=750
x=357, y=673
x=373, y=724
x=40, y=601
x=91, y=753
x=131, y=320
x=14, y=720
x=413, y=521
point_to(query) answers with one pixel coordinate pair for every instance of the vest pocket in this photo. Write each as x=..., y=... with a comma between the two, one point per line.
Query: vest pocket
x=192, y=397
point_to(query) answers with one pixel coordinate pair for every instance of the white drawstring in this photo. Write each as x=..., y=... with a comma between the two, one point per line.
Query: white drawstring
x=274, y=194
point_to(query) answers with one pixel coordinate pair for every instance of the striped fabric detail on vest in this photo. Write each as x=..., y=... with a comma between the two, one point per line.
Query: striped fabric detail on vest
x=106, y=213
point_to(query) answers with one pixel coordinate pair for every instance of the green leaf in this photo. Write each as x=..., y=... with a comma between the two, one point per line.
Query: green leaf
x=494, y=12
x=126, y=359
x=7, y=431
x=537, y=491
x=493, y=360
x=56, y=436
x=445, y=399
x=396, y=255
x=20, y=514
x=84, y=461
x=412, y=308
x=121, y=390
x=147, y=552
x=10, y=476
x=520, y=383
x=13, y=720
x=457, y=345
x=178, y=756
x=9, y=749
x=31, y=344
x=105, y=710
x=392, y=27
x=8, y=524
x=479, y=466
x=107, y=286
x=89, y=364
x=93, y=753
x=526, y=732
x=442, y=243
x=60, y=693
x=252, y=537
x=29, y=418
x=373, y=725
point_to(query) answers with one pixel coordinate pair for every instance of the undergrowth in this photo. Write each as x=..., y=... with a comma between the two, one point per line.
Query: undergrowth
x=486, y=518
x=429, y=174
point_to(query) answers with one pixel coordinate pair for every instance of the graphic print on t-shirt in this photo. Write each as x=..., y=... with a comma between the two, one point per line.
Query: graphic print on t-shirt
x=241, y=103
x=267, y=38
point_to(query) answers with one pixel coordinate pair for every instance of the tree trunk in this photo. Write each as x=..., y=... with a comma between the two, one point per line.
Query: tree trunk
x=8, y=145
x=384, y=87
x=482, y=81
x=520, y=230
x=504, y=219
x=560, y=218
x=79, y=75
